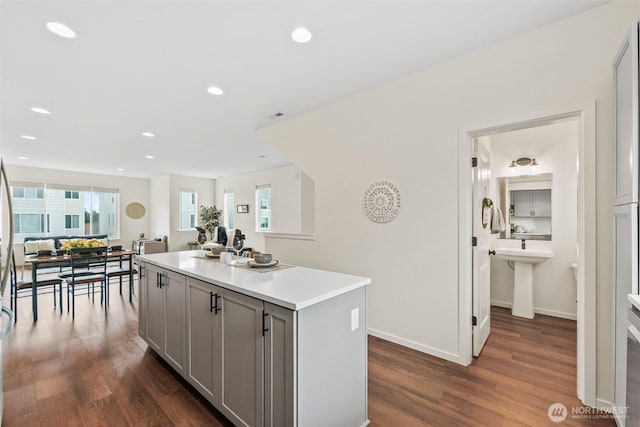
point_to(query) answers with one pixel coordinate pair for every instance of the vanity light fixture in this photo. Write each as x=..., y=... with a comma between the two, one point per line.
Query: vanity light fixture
x=61, y=30
x=301, y=35
x=40, y=110
x=215, y=90
x=29, y=137
x=523, y=161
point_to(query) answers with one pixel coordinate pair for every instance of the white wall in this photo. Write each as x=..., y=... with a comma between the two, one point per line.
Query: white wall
x=406, y=131
x=160, y=207
x=554, y=288
x=165, y=218
x=130, y=190
x=205, y=190
x=286, y=201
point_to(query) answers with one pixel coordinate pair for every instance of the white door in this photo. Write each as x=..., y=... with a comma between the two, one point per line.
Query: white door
x=481, y=265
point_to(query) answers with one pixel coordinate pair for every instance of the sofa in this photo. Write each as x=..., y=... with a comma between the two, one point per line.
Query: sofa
x=156, y=245
x=34, y=244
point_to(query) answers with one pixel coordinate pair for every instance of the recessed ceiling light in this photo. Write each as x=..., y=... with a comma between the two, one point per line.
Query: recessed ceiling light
x=301, y=35
x=120, y=170
x=28, y=137
x=215, y=90
x=40, y=110
x=23, y=158
x=148, y=134
x=150, y=157
x=61, y=30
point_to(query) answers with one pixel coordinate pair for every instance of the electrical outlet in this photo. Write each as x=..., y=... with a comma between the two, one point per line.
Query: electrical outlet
x=354, y=319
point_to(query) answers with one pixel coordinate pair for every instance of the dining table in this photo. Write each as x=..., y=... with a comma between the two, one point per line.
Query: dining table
x=63, y=260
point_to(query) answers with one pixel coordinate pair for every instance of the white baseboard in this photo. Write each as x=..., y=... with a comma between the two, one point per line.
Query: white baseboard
x=603, y=405
x=417, y=346
x=538, y=310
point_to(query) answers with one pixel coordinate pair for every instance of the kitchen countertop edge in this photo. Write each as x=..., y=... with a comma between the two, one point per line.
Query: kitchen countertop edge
x=280, y=287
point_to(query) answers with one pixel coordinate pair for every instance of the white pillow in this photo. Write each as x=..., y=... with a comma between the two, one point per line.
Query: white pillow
x=33, y=246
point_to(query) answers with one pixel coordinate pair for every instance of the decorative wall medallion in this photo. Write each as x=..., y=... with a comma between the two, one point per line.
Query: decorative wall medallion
x=135, y=210
x=381, y=202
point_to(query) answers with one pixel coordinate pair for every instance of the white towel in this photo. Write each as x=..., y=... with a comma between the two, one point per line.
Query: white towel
x=486, y=216
x=497, y=221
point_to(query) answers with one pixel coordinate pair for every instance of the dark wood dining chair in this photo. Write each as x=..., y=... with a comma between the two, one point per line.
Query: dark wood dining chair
x=46, y=283
x=120, y=269
x=88, y=267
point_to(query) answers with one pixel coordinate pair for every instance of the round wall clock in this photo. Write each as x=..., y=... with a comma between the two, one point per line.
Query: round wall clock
x=135, y=210
x=381, y=202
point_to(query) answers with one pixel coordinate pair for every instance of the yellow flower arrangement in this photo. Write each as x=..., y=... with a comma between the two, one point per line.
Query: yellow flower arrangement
x=82, y=243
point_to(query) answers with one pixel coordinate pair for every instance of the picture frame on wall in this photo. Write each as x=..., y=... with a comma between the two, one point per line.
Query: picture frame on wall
x=242, y=208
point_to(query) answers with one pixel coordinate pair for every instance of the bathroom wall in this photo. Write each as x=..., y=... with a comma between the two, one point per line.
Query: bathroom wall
x=555, y=148
x=406, y=131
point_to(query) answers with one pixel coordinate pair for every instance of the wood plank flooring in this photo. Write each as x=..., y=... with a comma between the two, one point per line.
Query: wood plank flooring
x=525, y=366
x=97, y=371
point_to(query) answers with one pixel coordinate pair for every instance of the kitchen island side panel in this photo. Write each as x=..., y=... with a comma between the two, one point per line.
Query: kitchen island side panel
x=332, y=362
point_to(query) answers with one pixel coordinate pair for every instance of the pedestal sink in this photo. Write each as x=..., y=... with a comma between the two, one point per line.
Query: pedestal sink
x=523, y=276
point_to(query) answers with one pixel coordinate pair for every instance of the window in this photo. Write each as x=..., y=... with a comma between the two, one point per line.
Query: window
x=263, y=202
x=49, y=209
x=71, y=221
x=27, y=193
x=228, y=209
x=187, y=202
x=31, y=223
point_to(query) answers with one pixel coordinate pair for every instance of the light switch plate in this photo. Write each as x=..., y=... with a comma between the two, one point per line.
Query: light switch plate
x=354, y=319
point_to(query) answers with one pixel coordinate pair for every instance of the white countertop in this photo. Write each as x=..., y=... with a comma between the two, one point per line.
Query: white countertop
x=635, y=300
x=293, y=288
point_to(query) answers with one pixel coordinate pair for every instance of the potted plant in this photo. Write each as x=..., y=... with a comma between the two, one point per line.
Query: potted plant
x=210, y=219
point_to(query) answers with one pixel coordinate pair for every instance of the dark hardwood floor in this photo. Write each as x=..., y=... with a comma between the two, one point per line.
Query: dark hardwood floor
x=96, y=370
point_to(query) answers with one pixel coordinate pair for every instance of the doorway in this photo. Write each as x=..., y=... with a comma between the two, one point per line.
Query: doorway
x=586, y=351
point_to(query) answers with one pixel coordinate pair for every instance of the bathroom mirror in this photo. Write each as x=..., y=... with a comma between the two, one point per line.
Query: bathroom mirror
x=525, y=202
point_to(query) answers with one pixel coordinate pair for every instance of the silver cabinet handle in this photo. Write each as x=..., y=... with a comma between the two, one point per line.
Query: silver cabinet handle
x=8, y=326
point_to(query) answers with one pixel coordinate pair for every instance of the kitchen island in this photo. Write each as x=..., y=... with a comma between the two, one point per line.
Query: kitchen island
x=277, y=348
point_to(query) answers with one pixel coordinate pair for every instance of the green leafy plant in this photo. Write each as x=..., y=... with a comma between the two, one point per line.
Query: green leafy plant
x=210, y=218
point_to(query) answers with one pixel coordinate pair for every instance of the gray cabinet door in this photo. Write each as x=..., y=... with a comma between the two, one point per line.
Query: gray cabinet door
x=522, y=203
x=279, y=344
x=541, y=202
x=142, y=290
x=202, y=339
x=173, y=288
x=242, y=365
x=155, y=310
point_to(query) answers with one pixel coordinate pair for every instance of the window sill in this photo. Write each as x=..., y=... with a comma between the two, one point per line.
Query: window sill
x=289, y=236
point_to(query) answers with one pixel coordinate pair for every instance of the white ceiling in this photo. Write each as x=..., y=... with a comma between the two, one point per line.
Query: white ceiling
x=145, y=65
